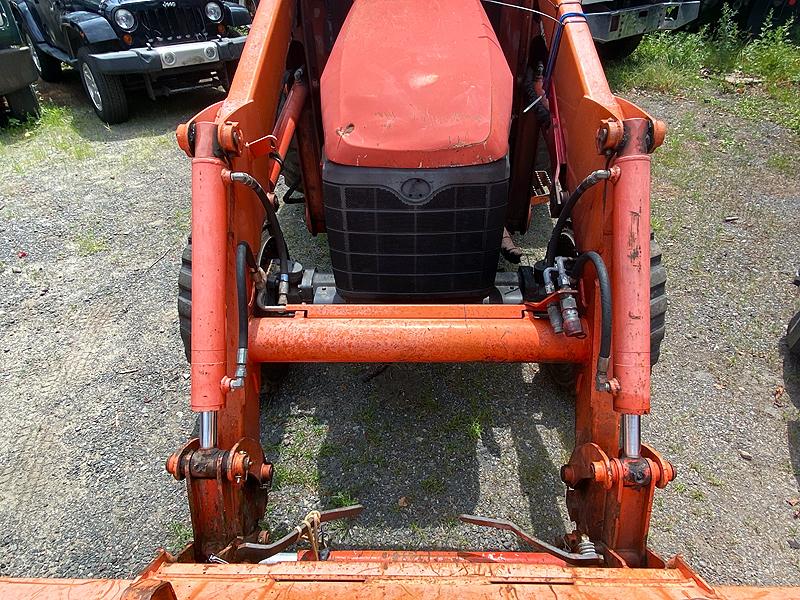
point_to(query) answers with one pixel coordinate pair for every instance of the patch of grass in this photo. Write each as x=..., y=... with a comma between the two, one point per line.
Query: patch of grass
x=183, y=220
x=90, y=243
x=54, y=137
x=147, y=150
x=433, y=484
x=773, y=56
x=697, y=495
x=663, y=62
x=343, y=498
x=657, y=223
x=327, y=449
x=765, y=70
x=287, y=475
x=180, y=534
x=470, y=422
x=368, y=414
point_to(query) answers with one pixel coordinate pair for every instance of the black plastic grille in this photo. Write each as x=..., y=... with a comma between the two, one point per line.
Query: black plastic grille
x=172, y=23
x=382, y=246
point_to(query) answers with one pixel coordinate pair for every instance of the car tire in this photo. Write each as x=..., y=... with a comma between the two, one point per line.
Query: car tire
x=618, y=49
x=23, y=104
x=564, y=375
x=49, y=68
x=106, y=92
x=793, y=335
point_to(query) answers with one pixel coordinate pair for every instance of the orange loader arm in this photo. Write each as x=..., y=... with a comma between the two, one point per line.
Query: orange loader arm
x=611, y=476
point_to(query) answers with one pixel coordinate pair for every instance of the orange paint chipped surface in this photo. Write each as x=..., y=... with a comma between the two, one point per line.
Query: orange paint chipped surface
x=396, y=575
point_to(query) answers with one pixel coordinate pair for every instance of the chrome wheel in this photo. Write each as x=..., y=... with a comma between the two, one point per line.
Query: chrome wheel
x=91, y=87
x=36, y=62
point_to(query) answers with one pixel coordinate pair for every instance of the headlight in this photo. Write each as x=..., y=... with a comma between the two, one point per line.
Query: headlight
x=125, y=19
x=214, y=12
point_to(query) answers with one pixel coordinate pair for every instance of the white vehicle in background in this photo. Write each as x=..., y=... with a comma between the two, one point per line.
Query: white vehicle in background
x=618, y=26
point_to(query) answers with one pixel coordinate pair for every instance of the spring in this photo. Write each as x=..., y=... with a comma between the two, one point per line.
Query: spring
x=586, y=546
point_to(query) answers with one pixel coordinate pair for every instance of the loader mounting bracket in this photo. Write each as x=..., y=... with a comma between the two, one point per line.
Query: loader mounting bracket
x=599, y=488
x=233, y=482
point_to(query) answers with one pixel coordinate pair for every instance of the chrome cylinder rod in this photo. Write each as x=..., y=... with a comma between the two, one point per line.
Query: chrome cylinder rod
x=208, y=429
x=632, y=436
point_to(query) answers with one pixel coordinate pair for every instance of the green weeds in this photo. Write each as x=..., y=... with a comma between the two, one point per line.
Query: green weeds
x=180, y=534
x=433, y=484
x=763, y=71
x=343, y=498
x=54, y=137
x=90, y=243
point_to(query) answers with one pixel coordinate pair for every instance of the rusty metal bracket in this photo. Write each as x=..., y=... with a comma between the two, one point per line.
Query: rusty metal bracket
x=571, y=558
x=610, y=499
x=263, y=146
x=229, y=136
x=185, y=132
x=251, y=552
x=245, y=458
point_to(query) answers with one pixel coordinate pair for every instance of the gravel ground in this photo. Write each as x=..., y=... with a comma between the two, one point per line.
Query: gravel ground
x=94, y=384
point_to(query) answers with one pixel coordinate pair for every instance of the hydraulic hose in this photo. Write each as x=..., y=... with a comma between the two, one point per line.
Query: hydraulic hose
x=272, y=217
x=604, y=355
x=593, y=178
x=244, y=258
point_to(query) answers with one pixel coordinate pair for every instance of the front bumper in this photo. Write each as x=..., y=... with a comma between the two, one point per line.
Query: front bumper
x=16, y=69
x=169, y=59
x=627, y=22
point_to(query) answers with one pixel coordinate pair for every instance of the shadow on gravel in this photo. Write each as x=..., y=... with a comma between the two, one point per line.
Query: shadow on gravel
x=420, y=444
x=147, y=118
x=791, y=383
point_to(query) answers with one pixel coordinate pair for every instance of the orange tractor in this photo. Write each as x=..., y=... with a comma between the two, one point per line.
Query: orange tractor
x=422, y=134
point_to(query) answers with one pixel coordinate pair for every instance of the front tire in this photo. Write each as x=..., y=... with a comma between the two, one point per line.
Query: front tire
x=23, y=104
x=49, y=68
x=106, y=92
x=272, y=374
x=618, y=49
x=793, y=335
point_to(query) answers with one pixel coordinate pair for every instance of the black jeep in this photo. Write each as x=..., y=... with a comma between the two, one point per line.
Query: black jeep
x=161, y=46
x=16, y=70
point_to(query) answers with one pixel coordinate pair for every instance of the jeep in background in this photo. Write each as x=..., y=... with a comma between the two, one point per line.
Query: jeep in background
x=618, y=26
x=17, y=71
x=159, y=46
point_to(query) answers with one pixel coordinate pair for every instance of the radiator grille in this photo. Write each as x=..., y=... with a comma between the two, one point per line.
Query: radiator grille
x=383, y=246
x=172, y=23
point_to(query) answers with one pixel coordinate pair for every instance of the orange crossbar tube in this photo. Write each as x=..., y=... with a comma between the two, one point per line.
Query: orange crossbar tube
x=430, y=333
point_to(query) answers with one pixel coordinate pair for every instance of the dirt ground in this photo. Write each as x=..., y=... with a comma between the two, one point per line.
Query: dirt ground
x=95, y=387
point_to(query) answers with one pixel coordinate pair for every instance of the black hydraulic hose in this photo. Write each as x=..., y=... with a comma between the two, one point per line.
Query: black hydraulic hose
x=605, y=297
x=566, y=210
x=602, y=382
x=244, y=258
x=272, y=217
